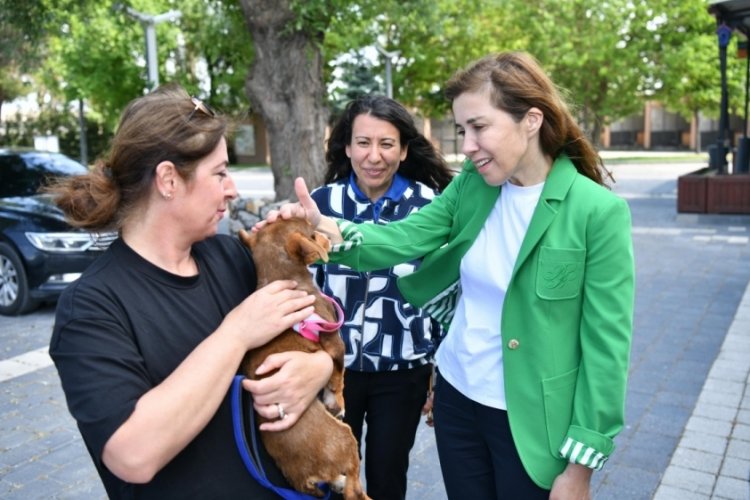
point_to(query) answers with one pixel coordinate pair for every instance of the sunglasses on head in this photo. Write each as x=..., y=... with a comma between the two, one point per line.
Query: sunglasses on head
x=202, y=107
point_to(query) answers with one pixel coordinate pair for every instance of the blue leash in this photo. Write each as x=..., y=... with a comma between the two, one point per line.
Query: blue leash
x=251, y=457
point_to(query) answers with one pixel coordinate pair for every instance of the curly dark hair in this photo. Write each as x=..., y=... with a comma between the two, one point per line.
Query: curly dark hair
x=423, y=162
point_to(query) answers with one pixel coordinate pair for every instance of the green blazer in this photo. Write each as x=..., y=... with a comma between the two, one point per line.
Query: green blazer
x=567, y=316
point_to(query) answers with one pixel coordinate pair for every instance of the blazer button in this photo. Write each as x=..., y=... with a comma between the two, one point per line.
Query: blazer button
x=513, y=344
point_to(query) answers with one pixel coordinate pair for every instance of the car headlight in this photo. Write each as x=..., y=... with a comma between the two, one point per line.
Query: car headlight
x=61, y=242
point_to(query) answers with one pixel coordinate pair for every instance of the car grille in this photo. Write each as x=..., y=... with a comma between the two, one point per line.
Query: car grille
x=102, y=241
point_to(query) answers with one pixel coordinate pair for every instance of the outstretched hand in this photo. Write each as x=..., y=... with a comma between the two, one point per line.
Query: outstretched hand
x=305, y=208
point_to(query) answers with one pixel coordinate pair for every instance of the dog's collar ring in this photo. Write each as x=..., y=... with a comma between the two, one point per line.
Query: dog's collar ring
x=311, y=327
x=282, y=413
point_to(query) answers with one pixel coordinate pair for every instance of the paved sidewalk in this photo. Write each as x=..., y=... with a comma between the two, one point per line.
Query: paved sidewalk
x=712, y=459
x=687, y=433
x=689, y=362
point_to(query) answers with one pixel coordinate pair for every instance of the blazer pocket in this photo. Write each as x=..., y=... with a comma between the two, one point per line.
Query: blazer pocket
x=558, y=407
x=560, y=273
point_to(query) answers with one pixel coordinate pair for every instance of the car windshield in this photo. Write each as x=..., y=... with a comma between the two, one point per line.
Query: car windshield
x=22, y=174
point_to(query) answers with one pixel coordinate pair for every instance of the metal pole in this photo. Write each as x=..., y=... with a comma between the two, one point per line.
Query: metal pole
x=743, y=148
x=82, y=127
x=149, y=23
x=388, y=82
x=388, y=57
x=153, y=71
x=724, y=32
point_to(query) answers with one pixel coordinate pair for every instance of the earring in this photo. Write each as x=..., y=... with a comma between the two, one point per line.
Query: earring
x=166, y=196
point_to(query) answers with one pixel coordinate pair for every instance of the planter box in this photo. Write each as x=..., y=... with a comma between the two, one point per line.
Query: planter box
x=691, y=192
x=706, y=192
x=728, y=194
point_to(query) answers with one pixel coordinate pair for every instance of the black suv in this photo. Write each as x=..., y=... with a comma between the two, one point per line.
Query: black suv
x=40, y=254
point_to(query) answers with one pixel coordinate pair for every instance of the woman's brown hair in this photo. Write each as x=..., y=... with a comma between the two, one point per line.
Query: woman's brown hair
x=164, y=125
x=517, y=84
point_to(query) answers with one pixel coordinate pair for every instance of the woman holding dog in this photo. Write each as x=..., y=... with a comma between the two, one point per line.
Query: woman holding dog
x=528, y=263
x=380, y=169
x=148, y=340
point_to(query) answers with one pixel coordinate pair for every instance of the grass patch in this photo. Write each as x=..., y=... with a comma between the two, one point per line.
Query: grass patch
x=687, y=158
x=242, y=166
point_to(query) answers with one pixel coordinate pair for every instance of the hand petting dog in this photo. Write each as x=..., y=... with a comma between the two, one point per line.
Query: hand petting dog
x=306, y=209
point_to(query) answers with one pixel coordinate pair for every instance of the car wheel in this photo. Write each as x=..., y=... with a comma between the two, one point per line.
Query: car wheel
x=14, y=287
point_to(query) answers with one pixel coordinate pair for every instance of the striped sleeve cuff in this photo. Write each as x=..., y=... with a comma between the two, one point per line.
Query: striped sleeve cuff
x=351, y=234
x=576, y=452
x=443, y=306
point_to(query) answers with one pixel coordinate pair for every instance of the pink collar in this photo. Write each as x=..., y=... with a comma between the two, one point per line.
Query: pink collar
x=311, y=327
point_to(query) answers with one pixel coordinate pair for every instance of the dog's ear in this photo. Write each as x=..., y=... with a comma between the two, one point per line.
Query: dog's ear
x=322, y=240
x=308, y=250
x=247, y=238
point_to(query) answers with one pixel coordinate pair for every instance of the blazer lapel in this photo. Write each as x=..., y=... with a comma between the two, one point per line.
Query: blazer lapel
x=556, y=187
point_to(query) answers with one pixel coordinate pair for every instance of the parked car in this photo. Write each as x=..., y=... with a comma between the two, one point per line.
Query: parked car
x=40, y=254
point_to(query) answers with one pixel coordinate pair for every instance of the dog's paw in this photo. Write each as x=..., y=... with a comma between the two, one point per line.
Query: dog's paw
x=332, y=404
x=338, y=484
x=313, y=486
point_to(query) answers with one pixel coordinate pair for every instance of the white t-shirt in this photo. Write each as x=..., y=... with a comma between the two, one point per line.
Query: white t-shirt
x=470, y=357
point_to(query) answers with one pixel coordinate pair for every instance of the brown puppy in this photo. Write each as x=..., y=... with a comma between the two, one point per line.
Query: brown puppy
x=318, y=447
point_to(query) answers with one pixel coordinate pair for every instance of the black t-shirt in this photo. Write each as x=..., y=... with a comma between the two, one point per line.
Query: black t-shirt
x=121, y=329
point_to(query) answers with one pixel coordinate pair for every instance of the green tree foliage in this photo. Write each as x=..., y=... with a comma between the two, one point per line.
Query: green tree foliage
x=21, y=31
x=215, y=39
x=609, y=57
x=690, y=75
x=440, y=37
x=95, y=51
x=357, y=78
x=92, y=50
x=599, y=53
x=98, y=52
x=432, y=38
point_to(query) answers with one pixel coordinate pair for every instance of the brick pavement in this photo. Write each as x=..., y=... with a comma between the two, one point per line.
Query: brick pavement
x=712, y=459
x=688, y=415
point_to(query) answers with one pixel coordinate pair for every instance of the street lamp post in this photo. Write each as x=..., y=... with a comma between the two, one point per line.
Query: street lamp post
x=388, y=57
x=149, y=23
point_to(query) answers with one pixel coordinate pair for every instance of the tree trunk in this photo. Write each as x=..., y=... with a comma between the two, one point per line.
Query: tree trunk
x=285, y=86
x=596, y=132
x=698, y=145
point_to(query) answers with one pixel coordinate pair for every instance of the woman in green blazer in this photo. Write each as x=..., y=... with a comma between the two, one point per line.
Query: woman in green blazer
x=528, y=263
